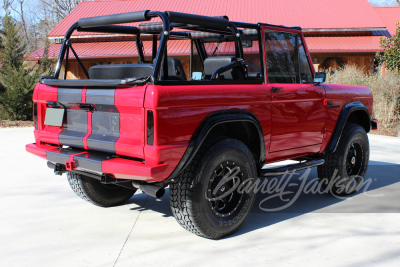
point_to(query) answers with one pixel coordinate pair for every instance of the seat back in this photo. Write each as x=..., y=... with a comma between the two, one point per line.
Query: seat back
x=175, y=70
x=120, y=71
x=211, y=64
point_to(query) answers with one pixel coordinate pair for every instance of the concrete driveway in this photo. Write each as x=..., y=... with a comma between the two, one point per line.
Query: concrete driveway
x=43, y=223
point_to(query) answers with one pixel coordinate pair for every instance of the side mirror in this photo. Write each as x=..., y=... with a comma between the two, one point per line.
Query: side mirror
x=320, y=77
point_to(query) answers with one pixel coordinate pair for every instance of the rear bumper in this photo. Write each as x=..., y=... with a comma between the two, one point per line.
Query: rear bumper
x=100, y=163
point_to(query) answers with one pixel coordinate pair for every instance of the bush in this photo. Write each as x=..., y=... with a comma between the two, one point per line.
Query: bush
x=385, y=88
x=349, y=74
x=391, y=56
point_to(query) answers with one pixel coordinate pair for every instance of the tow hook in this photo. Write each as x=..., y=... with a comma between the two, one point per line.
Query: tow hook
x=58, y=168
x=70, y=165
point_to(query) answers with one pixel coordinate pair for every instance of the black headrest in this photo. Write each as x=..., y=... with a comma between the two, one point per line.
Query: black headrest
x=211, y=64
x=175, y=69
x=120, y=71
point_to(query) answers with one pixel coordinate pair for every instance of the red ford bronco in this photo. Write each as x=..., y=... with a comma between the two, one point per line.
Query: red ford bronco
x=243, y=95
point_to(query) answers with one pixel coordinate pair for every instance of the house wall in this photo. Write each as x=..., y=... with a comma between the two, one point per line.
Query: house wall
x=364, y=61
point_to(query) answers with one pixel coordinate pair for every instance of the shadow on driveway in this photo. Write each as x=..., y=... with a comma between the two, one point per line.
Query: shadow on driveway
x=384, y=181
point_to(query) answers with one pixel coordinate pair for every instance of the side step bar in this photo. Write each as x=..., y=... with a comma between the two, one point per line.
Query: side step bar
x=291, y=168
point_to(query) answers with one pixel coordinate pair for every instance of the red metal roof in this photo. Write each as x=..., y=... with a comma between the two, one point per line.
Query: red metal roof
x=309, y=14
x=367, y=44
x=389, y=16
x=112, y=49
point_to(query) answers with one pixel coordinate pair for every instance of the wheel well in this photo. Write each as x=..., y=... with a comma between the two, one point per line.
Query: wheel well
x=361, y=118
x=243, y=131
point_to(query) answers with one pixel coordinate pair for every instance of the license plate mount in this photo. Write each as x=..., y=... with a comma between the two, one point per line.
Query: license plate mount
x=54, y=117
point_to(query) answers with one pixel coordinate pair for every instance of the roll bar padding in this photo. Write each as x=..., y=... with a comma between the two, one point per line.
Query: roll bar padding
x=114, y=19
x=205, y=21
x=111, y=29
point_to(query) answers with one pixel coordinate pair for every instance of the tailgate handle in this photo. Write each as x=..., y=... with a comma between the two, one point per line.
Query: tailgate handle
x=54, y=104
x=89, y=107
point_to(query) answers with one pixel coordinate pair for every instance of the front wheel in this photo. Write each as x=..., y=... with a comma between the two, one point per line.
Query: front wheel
x=208, y=198
x=344, y=170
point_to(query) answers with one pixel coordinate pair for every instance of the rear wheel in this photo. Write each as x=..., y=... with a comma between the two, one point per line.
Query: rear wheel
x=207, y=199
x=93, y=191
x=345, y=169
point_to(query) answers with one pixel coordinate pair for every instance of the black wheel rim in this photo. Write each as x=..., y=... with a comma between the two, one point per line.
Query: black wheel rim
x=222, y=194
x=354, y=159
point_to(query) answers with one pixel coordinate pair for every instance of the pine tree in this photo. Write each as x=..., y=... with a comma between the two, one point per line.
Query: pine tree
x=2, y=89
x=46, y=64
x=17, y=80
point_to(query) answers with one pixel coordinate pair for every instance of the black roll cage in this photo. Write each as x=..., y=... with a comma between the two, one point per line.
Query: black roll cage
x=170, y=20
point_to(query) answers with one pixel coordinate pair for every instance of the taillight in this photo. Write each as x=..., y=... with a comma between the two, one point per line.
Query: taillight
x=35, y=120
x=150, y=127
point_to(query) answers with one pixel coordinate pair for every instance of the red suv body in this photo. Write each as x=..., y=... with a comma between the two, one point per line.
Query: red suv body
x=149, y=125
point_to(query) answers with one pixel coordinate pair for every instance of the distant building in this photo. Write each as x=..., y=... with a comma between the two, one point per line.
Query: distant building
x=337, y=32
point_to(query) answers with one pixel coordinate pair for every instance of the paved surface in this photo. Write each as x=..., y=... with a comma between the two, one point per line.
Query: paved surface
x=42, y=222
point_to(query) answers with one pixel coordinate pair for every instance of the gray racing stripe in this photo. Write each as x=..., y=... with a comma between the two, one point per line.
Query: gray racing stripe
x=105, y=97
x=90, y=161
x=75, y=124
x=105, y=120
x=59, y=157
x=69, y=95
x=75, y=128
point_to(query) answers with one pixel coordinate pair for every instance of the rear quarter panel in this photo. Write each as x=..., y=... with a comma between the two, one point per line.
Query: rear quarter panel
x=340, y=95
x=179, y=110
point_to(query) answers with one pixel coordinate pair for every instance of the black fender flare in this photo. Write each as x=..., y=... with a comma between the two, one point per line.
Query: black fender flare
x=346, y=111
x=205, y=128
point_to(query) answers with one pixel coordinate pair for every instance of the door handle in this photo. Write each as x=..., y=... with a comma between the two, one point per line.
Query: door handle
x=276, y=89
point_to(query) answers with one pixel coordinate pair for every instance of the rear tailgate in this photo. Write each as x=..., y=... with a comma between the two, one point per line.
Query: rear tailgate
x=109, y=120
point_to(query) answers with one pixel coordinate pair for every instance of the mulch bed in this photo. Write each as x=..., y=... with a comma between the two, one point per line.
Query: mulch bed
x=15, y=124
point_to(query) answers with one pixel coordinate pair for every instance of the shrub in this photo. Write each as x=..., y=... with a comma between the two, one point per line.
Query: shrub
x=386, y=91
x=349, y=74
x=385, y=88
x=391, y=56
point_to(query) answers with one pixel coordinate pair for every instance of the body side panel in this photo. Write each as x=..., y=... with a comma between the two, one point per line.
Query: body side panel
x=339, y=96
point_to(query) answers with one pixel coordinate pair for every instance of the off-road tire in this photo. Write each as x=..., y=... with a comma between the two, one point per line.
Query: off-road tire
x=337, y=176
x=99, y=194
x=189, y=193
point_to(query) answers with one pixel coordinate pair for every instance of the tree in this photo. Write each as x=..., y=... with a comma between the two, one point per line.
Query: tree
x=61, y=8
x=46, y=64
x=391, y=55
x=17, y=80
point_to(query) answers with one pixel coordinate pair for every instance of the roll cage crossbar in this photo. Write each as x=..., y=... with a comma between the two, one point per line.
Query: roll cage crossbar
x=169, y=20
